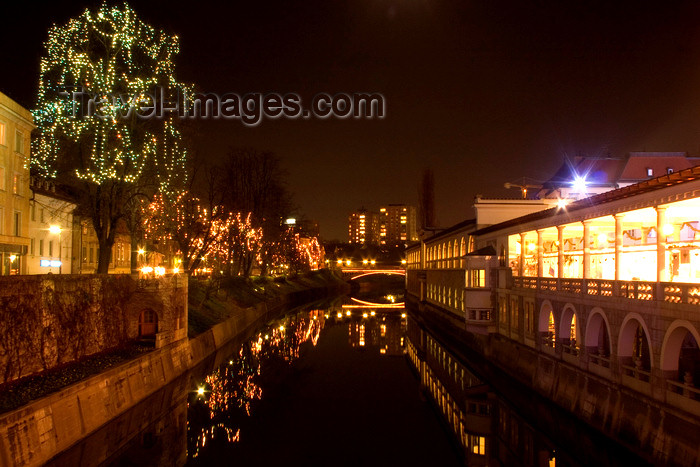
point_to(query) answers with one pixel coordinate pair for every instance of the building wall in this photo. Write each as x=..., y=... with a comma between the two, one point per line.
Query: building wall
x=398, y=224
x=86, y=248
x=46, y=249
x=16, y=124
x=363, y=227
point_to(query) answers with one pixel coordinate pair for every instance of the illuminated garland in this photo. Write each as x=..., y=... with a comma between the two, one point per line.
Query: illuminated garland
x=109, y=52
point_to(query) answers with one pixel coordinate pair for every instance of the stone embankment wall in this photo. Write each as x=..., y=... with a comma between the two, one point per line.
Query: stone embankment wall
x=49, y=320
x=34, y=434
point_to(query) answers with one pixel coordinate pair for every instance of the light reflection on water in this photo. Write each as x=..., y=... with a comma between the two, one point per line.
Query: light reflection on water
x=228, y=395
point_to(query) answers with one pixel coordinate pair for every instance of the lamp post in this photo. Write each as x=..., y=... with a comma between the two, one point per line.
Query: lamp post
x=56, y=230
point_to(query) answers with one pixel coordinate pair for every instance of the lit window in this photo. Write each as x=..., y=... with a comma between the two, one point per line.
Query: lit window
x=2, y=178
x=41, y=247
x=2, y=133
x=650, y=172
x=669, y=170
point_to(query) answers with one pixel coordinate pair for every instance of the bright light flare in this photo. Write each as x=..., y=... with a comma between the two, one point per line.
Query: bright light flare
x=54, y=229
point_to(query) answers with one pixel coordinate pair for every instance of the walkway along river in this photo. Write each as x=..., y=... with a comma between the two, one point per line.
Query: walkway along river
x=344, y=383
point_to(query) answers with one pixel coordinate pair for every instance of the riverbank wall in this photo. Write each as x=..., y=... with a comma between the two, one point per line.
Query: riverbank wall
x=35, y=433
x=658, y=433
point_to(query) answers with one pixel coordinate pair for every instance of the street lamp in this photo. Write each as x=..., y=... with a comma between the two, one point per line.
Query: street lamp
x=56, y=230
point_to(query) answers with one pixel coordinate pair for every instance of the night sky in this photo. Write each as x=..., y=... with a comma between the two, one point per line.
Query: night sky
x=482, y=92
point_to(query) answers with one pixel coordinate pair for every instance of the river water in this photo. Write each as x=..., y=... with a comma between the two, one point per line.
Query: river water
x=342, y=383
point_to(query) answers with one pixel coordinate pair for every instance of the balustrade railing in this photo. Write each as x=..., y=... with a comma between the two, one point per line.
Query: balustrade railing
x=638, y=373
x=600, y=360
x=683, y=389
x=671, y=292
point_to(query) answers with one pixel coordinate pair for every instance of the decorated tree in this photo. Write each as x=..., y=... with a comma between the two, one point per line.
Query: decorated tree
x=99, y=128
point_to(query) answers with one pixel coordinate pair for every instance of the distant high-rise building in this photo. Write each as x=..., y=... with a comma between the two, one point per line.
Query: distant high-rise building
x=363, y=227
x=397, y=224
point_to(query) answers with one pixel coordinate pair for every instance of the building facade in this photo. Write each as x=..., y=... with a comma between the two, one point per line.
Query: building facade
x=16, y=124
x=50, y=229
x=595, y=304
x=363, y=227
x=397, y=224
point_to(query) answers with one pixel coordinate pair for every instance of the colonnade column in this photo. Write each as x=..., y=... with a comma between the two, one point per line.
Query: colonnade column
x=618, y=245
x=540, y=254
x=560, y=251
x=586, y=249
x=522, y=255
x=661, y=273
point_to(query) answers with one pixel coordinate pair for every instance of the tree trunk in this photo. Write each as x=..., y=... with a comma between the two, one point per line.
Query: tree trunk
x=105, y=256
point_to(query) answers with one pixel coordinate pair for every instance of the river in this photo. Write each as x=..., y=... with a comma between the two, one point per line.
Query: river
x=341, y=383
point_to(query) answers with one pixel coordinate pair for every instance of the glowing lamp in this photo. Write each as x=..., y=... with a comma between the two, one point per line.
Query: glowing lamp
x=340, y=315
x=403, y=261
x=340, y=262
x=12, y=258
x=561, y=203
x=141, y=251
x=403, y=315
x=176, y=270
x=54, y=229
x=282, y=328
x=364, y=261
x=667, y=230
x=348, y=262
x=159, y=271
x=372, y=313
x=531, y=247
x=200, y=391
x=602, y=238
x=579, y=184
x=373, y=262
x=348, y=313
x=364, y=315
x=146, y=269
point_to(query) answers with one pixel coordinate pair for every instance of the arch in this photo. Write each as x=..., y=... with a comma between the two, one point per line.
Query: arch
x=462, y=247
x=148, y=323
x=634, y=339
x=568, y=325
x=546, y=310
x=675, y=336
x=597, y=336
x=380, y=271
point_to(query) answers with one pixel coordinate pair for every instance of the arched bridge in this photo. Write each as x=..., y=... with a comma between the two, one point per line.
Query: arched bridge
x=356, y=273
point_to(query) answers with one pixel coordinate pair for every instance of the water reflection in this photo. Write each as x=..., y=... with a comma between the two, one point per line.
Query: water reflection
x=334, y=376
x=225, y=397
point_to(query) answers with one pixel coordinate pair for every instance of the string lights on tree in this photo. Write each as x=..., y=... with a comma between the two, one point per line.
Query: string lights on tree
x=99, y=75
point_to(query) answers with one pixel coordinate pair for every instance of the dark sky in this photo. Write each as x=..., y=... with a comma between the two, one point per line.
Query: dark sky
x=482, y=92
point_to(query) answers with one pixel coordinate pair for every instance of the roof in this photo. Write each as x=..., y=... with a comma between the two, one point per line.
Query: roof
x=486, y=251
x=452, y=229
x=654, y=184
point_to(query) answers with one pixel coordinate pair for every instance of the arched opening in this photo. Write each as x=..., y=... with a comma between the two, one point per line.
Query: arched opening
x=546, y=327
x=568, y=332
x=148, y=323
x=680, y=354
x=598, y=339
x=634, y=348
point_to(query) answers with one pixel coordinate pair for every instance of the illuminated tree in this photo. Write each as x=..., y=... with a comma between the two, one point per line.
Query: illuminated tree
x=108, y=144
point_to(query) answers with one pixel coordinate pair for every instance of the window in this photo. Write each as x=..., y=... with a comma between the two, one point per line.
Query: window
x=92, y=253
x=478, y=278
x=2, y=178
x=85, y=254
x=2, y=134
x=31, y=247
x=650, y=172
x=19, y=142
x=17, y=230
x=669, y=170
x=50, y=247
x=41, y=247
x=2, y=221
x=33, y=211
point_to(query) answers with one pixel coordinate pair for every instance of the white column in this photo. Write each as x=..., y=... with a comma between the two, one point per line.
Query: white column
x=661, y=272
x=618, y=245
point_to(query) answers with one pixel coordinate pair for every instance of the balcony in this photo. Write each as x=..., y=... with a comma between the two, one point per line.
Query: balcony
x=671, y=292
